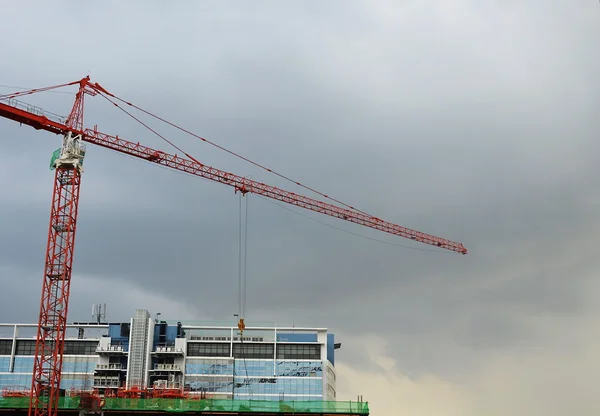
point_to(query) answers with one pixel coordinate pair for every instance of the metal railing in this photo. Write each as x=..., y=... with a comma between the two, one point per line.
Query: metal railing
x=33, y=109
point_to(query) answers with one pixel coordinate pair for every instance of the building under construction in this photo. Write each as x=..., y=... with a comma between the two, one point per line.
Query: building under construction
x=152, y=365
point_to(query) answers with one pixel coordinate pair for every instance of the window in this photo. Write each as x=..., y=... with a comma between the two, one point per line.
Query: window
x=298, y=352
x=26, y=347
x=5, y=346
x=23, y=364
x=80, y=347
x=4, y=364
x=216, y=384
x=253, y=350
x=207, y=349
x=289, y=368
x=209, y=366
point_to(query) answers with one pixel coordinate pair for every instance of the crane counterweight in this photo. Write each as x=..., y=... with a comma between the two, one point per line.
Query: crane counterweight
x=71, y=154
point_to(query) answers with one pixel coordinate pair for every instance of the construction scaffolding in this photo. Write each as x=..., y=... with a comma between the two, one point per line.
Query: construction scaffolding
x=137, y=367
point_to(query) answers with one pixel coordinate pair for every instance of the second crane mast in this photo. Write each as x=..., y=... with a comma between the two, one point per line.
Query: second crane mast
x=63, y=219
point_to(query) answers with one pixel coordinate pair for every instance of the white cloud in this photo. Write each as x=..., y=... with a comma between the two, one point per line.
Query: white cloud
x=388, y=391
x=554, y=376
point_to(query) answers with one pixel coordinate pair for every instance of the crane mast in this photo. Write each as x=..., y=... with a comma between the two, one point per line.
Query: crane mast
x=56, y=287
x=68, y=165
x=55, y=290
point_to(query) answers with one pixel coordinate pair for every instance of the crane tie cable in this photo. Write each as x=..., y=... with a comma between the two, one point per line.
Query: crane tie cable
x=192, y=158
x=233, y=153
x=33, y=91
x=98, y=90
x=103, y=92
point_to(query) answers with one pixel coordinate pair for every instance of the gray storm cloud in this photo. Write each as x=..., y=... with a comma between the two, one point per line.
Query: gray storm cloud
x=476, y=122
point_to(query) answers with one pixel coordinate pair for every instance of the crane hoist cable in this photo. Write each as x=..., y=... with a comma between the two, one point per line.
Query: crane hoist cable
x=242, y=267
x=247, y=379
x=242, y=260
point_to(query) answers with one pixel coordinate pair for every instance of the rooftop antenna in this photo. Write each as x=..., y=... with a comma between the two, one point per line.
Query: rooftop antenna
x=99, y=313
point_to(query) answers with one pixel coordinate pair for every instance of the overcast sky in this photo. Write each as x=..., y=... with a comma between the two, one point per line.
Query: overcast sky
x=472, y=120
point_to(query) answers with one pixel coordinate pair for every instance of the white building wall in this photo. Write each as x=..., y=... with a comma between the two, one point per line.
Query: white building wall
x=330, y=375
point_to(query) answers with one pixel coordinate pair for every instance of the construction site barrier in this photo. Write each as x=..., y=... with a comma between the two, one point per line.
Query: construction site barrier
x=206, y=405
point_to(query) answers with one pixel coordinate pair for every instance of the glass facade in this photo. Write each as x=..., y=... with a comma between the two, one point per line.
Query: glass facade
x=4, y=364
x=250, y=378
x=79, y=362
x=297, y=388
x=200, y=366
x=269, y=364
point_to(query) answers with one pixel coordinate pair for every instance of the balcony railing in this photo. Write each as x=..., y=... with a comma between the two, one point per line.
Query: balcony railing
x=169, y=350
x=110, y=349
x=167, y=367
x=111, y=366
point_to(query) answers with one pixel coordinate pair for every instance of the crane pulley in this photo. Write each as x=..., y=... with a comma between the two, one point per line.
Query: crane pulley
x=67, y=164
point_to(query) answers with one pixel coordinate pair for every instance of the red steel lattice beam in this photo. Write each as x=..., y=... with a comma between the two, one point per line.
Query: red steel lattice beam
x=56, y=287
x=194, y=167
x=55, y=293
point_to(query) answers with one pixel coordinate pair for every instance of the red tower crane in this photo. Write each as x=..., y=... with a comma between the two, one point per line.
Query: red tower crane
x=67, y=162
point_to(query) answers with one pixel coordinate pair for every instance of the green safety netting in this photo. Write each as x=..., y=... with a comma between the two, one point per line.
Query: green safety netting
x=208, y=405
x=55, y=155
x=23, y=402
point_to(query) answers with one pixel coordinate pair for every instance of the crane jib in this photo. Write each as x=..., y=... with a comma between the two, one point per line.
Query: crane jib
x=17, y=111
